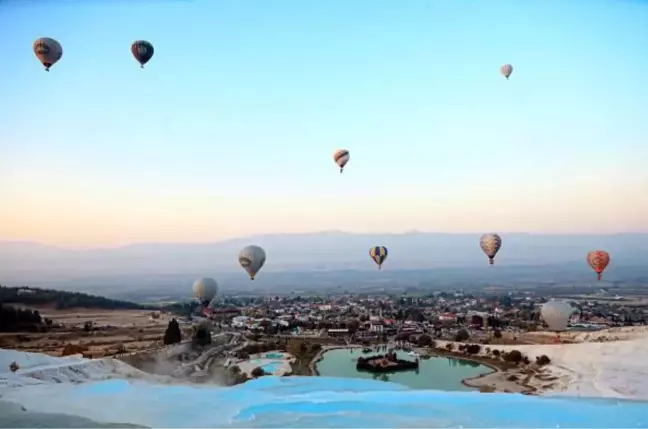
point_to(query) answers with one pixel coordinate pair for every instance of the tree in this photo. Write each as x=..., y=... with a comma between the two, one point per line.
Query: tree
x=257, y=372
x=17, y=319
x=201, y=336
x=172, y=335
x=62, y=299
x=514, y=356
x=497, y=334
x=462, y=335
x=424, y=340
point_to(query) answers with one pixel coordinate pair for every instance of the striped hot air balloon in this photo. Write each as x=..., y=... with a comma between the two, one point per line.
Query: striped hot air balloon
x=379, y=255
x=490, y=244
x=341, y=157
x=598, y=260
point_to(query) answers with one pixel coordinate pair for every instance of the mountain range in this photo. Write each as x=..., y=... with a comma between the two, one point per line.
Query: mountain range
x=317, y=253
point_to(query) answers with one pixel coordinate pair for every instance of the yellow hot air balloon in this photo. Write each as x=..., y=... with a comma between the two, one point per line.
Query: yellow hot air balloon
x=378, y=254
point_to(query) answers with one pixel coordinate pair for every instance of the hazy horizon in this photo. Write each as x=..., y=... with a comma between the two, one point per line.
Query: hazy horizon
x=230, y=129
x=252, y=237
x=326, y=261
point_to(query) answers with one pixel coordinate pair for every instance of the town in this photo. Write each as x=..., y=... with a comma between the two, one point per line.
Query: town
x=440, y=314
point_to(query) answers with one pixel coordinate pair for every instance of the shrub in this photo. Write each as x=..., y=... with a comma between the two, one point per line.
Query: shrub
x=449, y=346
x=487, y=350
x=543, y=360
x=462, y=335
x=202, y=336
x=514, y=356
x=497, y=334
x=473, y=349
x=496, y=353
x=258, y=372
x=526, y=360
x=424, y=340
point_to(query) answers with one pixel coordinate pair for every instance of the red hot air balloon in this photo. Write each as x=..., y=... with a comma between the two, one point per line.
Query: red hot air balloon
x=598, y=260
x=142, y=51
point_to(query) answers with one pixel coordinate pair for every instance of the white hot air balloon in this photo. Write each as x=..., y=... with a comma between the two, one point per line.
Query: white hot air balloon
x=48, y=51
x=556, y=314
x=205, y=290
x=252, y=259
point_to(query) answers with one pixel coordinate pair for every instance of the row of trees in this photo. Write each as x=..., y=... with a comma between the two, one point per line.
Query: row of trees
x=173, y=335
x=62, y=299
x=14, y=319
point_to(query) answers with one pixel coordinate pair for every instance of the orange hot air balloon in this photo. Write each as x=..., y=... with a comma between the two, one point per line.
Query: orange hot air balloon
x=598, y=260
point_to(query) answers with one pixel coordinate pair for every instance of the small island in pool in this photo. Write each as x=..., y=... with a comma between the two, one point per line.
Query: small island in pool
x=385, y=363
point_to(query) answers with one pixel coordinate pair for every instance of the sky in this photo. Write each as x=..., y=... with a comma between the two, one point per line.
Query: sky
x=231, y=127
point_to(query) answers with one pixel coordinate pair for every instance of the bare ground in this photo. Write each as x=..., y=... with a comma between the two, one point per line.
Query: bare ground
x=113, y=332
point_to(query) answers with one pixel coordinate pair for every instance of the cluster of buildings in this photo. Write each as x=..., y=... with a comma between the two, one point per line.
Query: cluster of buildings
x=364, y=316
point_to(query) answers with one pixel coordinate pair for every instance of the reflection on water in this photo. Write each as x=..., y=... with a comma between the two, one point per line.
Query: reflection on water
x=463, y=362
x=381, y=377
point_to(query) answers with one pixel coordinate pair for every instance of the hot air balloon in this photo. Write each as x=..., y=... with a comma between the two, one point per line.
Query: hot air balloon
x=598, y=260
x=341, y=157
x=48, y=51
x=490, y=244
x=506, y=70
x=205, y=290
x=142, y=51
x=378, y=254
x=252, y=259
x=556, y=314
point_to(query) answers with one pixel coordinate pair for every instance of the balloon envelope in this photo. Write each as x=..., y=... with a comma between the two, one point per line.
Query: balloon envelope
x=598, y=260
x=341, y=157
x=205, y=289
x=252, y=259
x=142, y=51
x=378, y=254
x=48, y=51
x=506, y=70
x=490, y=245
x=556, y=314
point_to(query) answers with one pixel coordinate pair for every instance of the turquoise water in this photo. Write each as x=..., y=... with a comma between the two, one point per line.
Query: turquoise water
x=317, y=402
x=271, y=368
x=273, y=356
x=435, y=373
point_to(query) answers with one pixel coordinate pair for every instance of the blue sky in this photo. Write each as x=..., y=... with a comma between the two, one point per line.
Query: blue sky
x=246, y=101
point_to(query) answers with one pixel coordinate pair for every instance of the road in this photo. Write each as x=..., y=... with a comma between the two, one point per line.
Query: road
x=203, y=361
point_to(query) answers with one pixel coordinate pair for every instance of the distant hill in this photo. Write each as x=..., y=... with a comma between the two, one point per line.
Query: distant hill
x=332, y=257
x=61, y=299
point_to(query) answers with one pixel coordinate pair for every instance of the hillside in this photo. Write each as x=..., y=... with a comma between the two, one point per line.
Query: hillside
x=62, y=299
